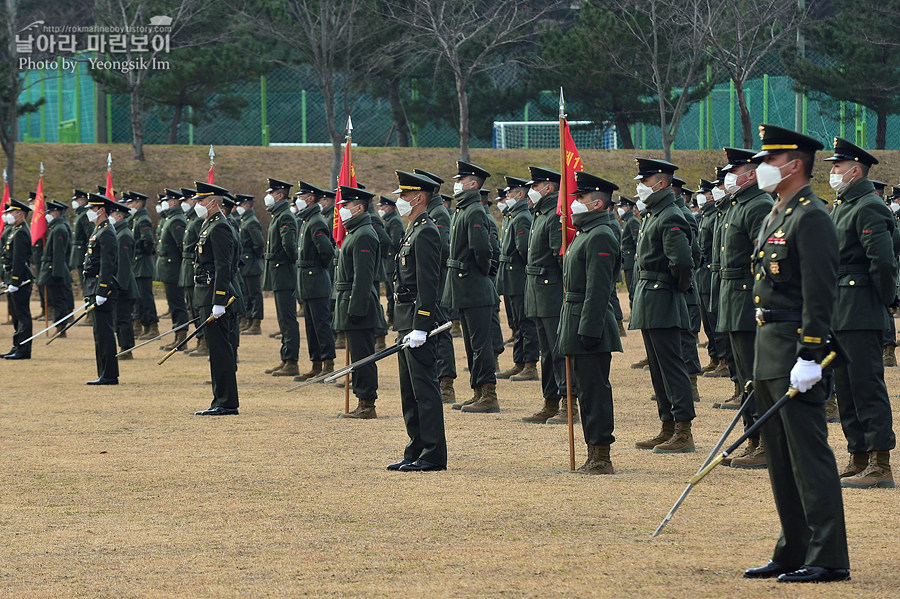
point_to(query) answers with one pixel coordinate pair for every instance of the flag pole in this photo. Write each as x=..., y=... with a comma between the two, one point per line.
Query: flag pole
x=212, y=161
x=46, y=294
x=564, y=218
x=346, y=338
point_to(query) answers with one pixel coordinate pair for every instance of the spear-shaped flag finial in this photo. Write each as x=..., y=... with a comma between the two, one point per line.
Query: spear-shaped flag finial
x=42, y=168
x=109, y=161
x=212, y=154
x=562, y=104
x=349, y=126
x=4, y=174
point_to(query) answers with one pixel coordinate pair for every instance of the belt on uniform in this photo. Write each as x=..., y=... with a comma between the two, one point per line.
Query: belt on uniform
x=736, y=273
x=571, y=296
x=408, y=297
x=506, y=258
x=307, y=263
x=765, y=316
x=652, y=275
x=457, y=264
x=852, y=269
x=535, y=270
x=343, y=285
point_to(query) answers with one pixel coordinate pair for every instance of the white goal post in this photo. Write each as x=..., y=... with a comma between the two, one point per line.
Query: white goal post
x=545, y=134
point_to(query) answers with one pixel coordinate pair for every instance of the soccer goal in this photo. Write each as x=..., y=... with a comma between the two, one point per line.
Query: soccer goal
x=545, y=134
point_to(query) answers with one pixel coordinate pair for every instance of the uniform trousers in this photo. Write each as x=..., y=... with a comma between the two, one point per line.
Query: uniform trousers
x=742, y=347
x=286, y=312
x=365, y=379
x=20, y=310
x=104, y=325
x=591, y=374
x=177, y=305
x=124, y=328
x=222, y=358
x=319, y=335
x=553, y=366
x=525, y=344
x=145, y=306
x=420, y=400
x=476, y=329
x=671, y=383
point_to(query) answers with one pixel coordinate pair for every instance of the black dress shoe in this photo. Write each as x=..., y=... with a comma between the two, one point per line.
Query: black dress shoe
x=12, y=351
x=104, y=381
x=16, y=355
x=770, y=570
x=400, y=464
x=217, y=412
x=421, y=466
x=815, y=574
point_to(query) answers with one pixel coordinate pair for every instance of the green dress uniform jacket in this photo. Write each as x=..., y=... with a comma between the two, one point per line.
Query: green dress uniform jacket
x=514, y=238
x=441, y=217
x=125, y=271
x=715, y=279
x=101, y=262
x=144, y=244
x=54, y=267
x=417, y=276
x=543, y=283
x=253, y=245
x=281, y=249
x=705, y=237
x=188, y=247
x=749, y=207
x=384, y=243
x=17, y=254
x=81, y=231
x=393, y=224
x=631, y=231
x=589, y=275
x=468, y=283
x=214, y=262
x=664, y=265
x=796, y=264
x=867, y=275
x=169, y=246
x=356, y=302
x=315, y=254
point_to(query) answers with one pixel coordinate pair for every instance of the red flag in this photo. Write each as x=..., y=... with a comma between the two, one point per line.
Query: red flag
x=39, y=214
x=210, y=178
x=573, y=163
x=348, y=179
x=4, y=201
x=109, y=188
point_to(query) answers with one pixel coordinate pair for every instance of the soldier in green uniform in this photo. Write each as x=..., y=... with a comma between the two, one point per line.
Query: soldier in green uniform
x=280, y=275
x=689, y=335
x=664, y=266
x=253, y=247
x=54, y=273
x=749, y=207
x=707, y=220
x=384, y=246
x=144, y=267
x=494, y=234
x=889, y=338
x=631, y=230
x=469, y=287
x=315, y=254
x=393, y=224
x=446, y=355
x=214, y=285
x=356, y=304
x=515, y=233
x=186, y=274
x=125, y=277
x=726, y=367
x=587, y=327
x=81, y=231
x=867, y=283
x=796, y=280
x=101, y=287
x=168, y=261
x=15, y=258
x=544, y=290
x=416, y=274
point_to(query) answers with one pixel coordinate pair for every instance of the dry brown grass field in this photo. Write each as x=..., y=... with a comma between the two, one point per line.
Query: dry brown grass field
x=122, y=492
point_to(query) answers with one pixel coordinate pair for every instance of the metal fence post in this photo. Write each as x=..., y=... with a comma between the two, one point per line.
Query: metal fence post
x=303, y=114
x=841, y=129
x=109, y=136
x=526, y=126
x=264, y=115
x=731, y=96
x=190, y=126
x=765, y=98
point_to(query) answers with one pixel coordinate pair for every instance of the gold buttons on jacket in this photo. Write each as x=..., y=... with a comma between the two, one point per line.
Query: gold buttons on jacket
x=852, y=283
x=756, y=299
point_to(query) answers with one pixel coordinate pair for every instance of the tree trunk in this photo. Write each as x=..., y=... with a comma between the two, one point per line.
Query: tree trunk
x=621, y=122
x=336, y=137
x=746, y=125
x=397, y=114
x=463, y=97
x=137, y=122
x=881, y=130
x=664, y=129
x=173, y=127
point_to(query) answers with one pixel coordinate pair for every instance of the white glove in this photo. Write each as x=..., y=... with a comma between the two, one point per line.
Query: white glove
x=415, y=339
x=218, y=311
x=100, y=300
x=805, y=374
x=12, y=288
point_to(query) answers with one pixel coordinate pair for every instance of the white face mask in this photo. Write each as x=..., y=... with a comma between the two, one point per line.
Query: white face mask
x=293, y=209
x=300, y=204
x=717, y=194
x=403, y=207
x=895, y=207
x=621, y=212
x=345, y=214
x=578, y=207
x=731, y=185
x=457, y=188
x=186, y=207
x=75, y=205
x=701, y=199
x=270, y=200
x=502, y=205
x=769, y=176
x=92, y=216
x=201, y=211
x=9, y=219
x=533, y=195
x=49, y=218
x=132, y=211
x=160, y=208
x=837, y=182
x=643, y=191
x=641, y=206
x=382, y=212
x=241, y=210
